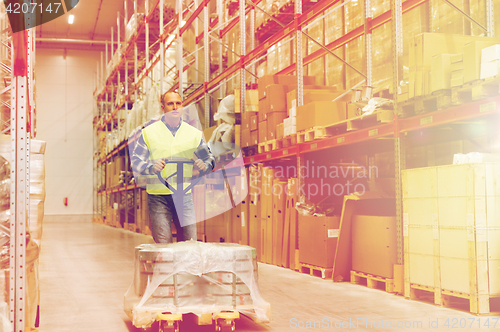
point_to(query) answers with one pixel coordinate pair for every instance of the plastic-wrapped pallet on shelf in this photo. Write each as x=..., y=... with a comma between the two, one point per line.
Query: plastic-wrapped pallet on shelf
x=132, y=25
x=194, y=277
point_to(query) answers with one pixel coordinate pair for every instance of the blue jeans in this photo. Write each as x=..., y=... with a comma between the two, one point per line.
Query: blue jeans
x=162, y=212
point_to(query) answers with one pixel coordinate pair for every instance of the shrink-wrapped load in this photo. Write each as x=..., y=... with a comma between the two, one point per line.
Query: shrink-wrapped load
x=194, y=277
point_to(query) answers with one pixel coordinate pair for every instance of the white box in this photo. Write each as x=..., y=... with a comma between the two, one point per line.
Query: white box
x=489, y=69
x=290, y=121
x=292, y=111
x=490, y=53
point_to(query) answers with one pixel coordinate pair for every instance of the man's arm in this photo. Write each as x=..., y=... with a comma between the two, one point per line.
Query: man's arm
x=140, y=158
x=210, y=161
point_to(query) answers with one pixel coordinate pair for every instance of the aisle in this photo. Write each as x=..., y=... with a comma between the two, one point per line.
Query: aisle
x=85, y=269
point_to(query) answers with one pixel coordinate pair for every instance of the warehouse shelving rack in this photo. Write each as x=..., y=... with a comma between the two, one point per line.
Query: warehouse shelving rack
x=276, y=30
x=17, y=60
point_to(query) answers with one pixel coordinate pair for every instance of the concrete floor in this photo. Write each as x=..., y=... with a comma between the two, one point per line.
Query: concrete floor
x=86, y=268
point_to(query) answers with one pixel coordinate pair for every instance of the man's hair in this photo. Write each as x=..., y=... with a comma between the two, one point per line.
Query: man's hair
x=162, y=97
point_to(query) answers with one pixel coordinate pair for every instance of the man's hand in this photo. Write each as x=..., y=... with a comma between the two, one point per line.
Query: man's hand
x=200, y=165
x=159, y=165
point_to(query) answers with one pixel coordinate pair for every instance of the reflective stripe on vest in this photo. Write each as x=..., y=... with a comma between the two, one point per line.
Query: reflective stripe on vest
x=162, y=144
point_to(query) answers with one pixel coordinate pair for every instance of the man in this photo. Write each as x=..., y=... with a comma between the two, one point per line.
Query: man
x=167, y=138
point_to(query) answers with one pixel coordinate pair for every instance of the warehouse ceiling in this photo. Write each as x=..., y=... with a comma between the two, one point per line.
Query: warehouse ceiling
x=93, y=22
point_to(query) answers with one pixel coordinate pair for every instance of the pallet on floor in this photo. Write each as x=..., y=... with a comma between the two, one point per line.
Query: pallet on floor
x=316, y=271
x=372, y=281
x=456, y=300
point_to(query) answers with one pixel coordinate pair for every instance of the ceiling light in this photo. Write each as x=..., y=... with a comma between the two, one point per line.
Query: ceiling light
x=71, y=18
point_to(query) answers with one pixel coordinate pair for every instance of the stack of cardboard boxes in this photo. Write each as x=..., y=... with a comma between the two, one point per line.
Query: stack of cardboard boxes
x=273, y=108
x=435, y=59
x=273, y=217
x=277, y=114
x=490, y=61
x=249, y=119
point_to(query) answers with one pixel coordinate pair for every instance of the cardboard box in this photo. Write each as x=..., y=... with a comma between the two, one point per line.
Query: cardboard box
x=278, y=219
x=276, y=97
x=245, y=138
x=252, y=97
x=236, y=224
x=320, y=113
x=263, y=133
x=446, y=216
x=110, y=171
x=456, y=58
x=457, y=81
x=280, y=131
x=251, y=101
x=318, y=240
x=290, y=121
x=263, y=110
x=440, y=72
x=254, y=137
x=291, y=130
x=472, y=58
x=246, y=119
x=456, y=66
x=207, y=133
x=291, y=218
x=490, y=54
x=310, y=95
x=266, y=199
x=289, y=80
x=215, y=228
x=254, y=122
x=254, y=227
x=245, y=220
x=237, y=134
x=427, y=45
x=273, y=120
x=490, y=69
x=374, y=248
x=237, y=101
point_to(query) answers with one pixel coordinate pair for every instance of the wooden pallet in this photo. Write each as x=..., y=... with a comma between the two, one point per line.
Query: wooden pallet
x=372, y=281
x=462, y=94
x=475, y=90
x=265, y=146
x=306, y=135
x=289, y=141
x=423, y=104
x=359, y=122
x=316, y=271
x=277, y=143
x=250, y=150
x=452, y=299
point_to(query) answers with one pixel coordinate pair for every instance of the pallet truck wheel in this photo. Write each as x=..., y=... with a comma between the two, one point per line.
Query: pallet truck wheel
x=168, y=322
x=225, y=325
x=169, y=326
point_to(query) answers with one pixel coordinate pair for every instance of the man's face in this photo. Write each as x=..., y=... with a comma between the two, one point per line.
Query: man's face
x=172, y=106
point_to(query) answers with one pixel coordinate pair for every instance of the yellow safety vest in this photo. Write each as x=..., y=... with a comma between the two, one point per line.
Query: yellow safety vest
x=162, y=144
